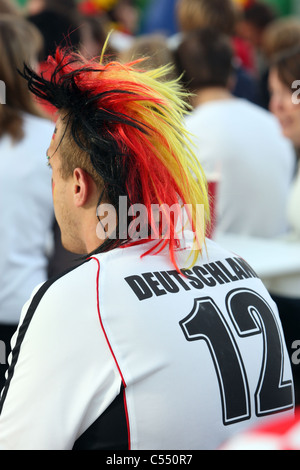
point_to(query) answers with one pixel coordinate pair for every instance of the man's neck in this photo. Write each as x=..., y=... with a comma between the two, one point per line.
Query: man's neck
x=207, y=95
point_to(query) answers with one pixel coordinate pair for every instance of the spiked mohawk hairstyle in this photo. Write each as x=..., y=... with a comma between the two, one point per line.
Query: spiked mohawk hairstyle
x=128, y=121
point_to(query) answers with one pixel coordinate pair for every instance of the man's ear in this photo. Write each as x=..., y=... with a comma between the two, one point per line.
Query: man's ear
x=81, y=187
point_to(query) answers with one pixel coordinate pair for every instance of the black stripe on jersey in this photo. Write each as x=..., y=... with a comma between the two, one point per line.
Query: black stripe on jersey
x=109, y=431
x=23, y=328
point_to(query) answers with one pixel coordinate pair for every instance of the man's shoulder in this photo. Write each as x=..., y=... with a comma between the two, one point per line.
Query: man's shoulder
x=66, y=292
x=69, y=280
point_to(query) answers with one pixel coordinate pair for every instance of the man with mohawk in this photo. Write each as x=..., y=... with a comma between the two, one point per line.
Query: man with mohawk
x=159, y=339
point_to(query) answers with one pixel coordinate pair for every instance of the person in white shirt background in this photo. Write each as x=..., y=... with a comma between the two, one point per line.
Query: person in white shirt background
x=25, y=182
x=237, y=139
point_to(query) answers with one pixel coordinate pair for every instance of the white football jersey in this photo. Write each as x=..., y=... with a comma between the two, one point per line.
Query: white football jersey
x=124, y=352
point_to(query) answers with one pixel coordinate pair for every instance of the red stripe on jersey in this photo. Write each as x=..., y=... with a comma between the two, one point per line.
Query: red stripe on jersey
x=111, y=350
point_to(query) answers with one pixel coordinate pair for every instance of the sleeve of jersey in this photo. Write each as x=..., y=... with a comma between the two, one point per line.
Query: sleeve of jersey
x=62, y=375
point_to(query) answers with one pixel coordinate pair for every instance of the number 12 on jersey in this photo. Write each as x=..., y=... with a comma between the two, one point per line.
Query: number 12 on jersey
x=250, y=315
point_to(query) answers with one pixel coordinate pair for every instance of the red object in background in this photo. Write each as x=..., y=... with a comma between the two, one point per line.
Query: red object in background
x=281, y=434
x=244, y=51
x=212, y=194
x=88, y=8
